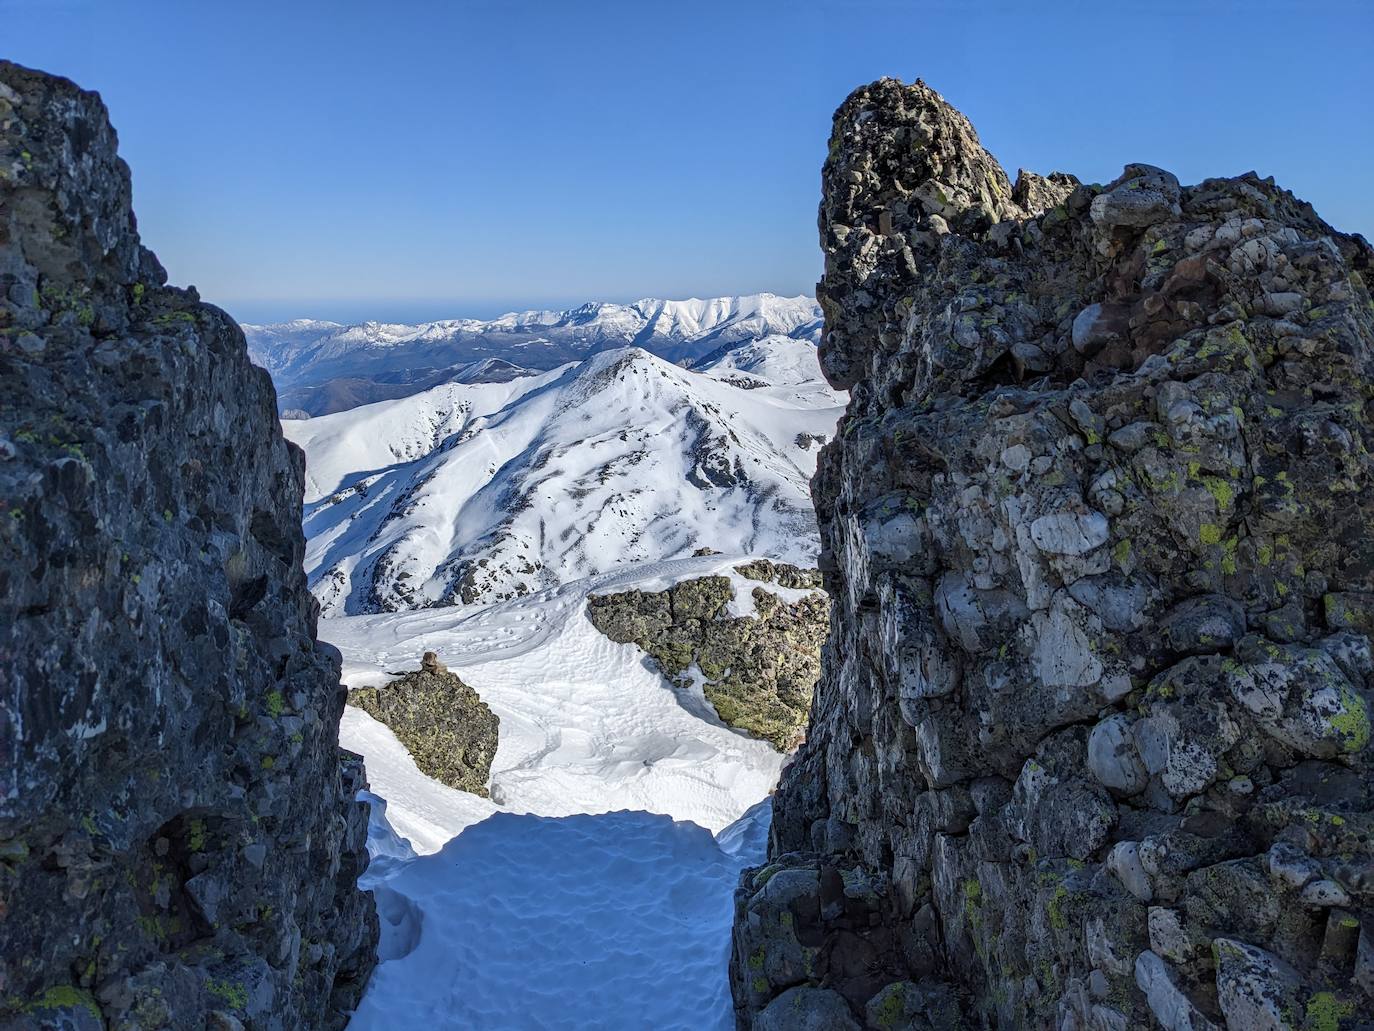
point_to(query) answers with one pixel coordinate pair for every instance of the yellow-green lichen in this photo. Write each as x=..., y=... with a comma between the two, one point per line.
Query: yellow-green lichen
x=1352, y=722
x=1325, y=1012
x=1055, y=909
x=1122, y=552
x=889, y=1013
x=236, y=995
x=65, y=996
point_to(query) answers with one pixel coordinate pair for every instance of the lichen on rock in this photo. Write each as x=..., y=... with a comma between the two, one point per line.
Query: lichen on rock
x=1090, y=748
x=447, y=729
x=756, y=671
x=179, y=838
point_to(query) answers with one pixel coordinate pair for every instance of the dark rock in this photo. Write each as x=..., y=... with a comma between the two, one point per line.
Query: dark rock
x=176, y=817
x=1091, y=456
x=447, y=729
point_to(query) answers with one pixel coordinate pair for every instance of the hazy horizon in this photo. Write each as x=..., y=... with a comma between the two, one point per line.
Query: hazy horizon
x=417, y=310
x=331, y=160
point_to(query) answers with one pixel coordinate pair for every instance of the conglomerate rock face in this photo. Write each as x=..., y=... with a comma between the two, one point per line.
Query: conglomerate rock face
x=445, y=726
x=1090, y=749
x=757, y=671
x=179, y=840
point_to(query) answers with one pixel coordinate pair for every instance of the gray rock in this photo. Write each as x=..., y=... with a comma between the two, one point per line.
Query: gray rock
x=1170, y=1006
x=1208, y=623
x=163, y=697
x=807, y=1009
x=1068, y=637
x=1142, y=196
x=1113, y=758
x=1257, y=990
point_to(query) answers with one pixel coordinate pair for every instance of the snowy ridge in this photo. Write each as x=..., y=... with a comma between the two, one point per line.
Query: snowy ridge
x=475, y=493
x=324, y=366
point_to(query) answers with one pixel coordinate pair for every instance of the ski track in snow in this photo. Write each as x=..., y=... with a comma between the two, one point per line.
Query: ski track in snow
x=594, y=895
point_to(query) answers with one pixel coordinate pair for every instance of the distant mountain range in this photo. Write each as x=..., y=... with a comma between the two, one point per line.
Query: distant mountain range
x=324, y=367
x=470, y=493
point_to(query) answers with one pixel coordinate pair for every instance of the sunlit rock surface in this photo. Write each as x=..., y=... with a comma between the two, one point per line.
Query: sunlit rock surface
x=1090, y=749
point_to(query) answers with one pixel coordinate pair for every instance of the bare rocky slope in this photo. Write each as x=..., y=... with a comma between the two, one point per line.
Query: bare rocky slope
x=1090, y=749
x=757, y=670
x=179, y=840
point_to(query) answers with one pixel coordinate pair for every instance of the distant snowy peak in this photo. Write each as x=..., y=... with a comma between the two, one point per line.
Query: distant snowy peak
x=303, y=355
x=471, y=493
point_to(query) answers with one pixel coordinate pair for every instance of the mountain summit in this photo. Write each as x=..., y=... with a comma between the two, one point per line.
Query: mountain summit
x=471, y=493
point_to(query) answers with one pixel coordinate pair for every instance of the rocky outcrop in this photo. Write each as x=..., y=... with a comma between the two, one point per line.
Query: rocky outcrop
x=447, y=729
x=179, y=840
x=781, y=573
x=757, y=671
x=1090, y=749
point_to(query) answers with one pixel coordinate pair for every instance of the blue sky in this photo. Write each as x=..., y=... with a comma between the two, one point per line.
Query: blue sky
x=409, y=159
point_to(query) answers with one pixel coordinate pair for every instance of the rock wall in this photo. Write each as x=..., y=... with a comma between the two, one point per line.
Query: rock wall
x=1090, y=749
x=447, y=729
x=756, y=671
x=179, y=840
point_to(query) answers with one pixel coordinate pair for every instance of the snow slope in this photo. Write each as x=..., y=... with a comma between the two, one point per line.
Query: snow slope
x=476, y=493
x=322, y=367
x=556, y=908
x=587, y=726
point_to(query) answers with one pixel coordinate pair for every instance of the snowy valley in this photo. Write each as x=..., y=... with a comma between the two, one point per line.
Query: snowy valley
x=606, y=450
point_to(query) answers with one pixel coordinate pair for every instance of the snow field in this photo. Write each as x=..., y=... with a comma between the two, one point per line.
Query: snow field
x=589, y=892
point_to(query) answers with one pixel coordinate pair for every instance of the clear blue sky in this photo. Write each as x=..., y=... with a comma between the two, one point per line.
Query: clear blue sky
x=410, y=159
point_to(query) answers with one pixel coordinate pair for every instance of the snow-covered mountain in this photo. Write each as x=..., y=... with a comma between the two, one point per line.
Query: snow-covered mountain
x=323, y=367
x=472, y=493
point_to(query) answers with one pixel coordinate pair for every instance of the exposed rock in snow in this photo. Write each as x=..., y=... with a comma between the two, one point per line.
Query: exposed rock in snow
x=756, y=669
x=468, y=494
x=449, y=731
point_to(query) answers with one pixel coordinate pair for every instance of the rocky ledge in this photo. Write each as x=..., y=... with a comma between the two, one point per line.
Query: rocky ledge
x=179, y=840
x=756, y=671
x=1090, y=749
x=447, y=729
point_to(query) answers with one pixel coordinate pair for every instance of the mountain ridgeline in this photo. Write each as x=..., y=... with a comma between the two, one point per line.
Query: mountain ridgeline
x=324, y=367
x=1091, y=744
x=179, y=840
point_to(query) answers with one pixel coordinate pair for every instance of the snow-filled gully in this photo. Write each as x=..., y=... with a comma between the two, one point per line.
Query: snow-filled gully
x=594, y=889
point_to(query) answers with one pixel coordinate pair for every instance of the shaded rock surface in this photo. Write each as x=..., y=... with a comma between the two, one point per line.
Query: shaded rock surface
x=756, y=671
x=179, y=839
x=1090, y=749
x=447, y=729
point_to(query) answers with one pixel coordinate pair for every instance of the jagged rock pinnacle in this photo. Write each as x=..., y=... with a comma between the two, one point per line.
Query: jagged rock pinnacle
x=1091, y=744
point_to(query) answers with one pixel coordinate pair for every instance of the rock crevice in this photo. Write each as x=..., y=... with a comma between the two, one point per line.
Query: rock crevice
x=1090, y=749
